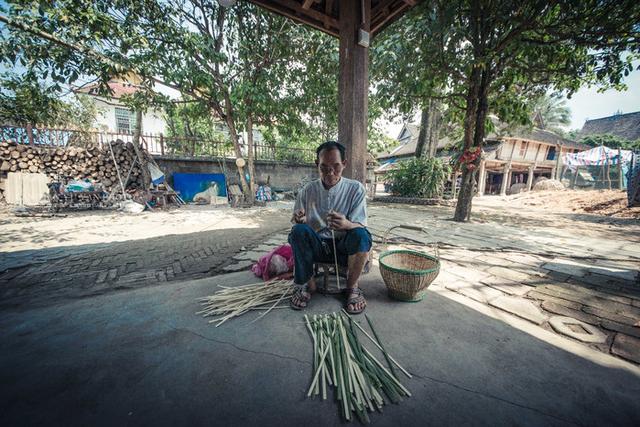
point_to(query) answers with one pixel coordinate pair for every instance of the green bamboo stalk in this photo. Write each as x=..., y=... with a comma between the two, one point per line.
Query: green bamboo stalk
x=384, y=351
x=391, y=377
x=319, y=369
x=404, y=371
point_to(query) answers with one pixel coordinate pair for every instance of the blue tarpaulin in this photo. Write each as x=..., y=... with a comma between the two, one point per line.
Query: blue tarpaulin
x=190, y=184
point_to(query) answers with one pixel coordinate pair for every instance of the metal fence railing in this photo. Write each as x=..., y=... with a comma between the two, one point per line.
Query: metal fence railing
x=154, y=144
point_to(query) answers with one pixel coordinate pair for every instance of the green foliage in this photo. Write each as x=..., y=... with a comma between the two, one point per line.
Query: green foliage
x=611, y=141
x=193, y=120
x=24, y=100
x=419, y=178
x=240, y=63
x=483, y=58
x=378, y=142
x=553, y=111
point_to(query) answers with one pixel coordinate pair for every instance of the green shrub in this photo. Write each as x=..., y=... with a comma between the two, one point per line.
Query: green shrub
x=419, y=178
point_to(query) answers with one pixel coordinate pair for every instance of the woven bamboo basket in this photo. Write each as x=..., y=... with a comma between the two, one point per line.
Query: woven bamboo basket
x=408, y=273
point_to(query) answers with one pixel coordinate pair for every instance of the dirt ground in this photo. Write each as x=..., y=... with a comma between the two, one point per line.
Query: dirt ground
x=107, y=226
x=611, y=203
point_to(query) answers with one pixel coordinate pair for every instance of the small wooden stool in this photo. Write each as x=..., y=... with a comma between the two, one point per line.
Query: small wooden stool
x=328, y=270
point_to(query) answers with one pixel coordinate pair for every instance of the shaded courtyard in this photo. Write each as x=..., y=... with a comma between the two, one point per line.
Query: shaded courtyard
x=124, y=344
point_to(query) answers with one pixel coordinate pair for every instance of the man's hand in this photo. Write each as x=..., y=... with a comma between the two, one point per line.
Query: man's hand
x=299, y=217
x=337, y=221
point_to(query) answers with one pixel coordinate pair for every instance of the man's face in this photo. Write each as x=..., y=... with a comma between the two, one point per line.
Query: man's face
x=330, y=166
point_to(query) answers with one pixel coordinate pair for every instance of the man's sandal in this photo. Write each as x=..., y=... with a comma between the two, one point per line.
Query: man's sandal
x=299, y=294
x=356, y=297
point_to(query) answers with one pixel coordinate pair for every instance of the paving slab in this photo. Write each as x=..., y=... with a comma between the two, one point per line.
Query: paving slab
x=520, y=307
x=143, y=357
x=241, y=265
x=510, y=274
x=507, y=286
x=626, y=347
x=633, y=331
x=605, y=314
x=480, y=293
x=562, y=310
x=577, y=329
x=249, y=255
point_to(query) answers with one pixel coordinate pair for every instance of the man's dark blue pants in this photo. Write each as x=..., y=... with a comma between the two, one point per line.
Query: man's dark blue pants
x=308, y=247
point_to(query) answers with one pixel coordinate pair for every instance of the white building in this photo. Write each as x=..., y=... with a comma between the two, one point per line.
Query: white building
x=114, y=116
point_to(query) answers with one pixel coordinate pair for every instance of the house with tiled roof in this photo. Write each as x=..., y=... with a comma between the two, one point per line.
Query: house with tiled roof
x=114, y=116
x=625, y=126
x=508, y=158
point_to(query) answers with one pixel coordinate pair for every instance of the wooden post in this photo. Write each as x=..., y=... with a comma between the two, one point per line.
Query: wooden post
x=506, y=172
x=558, y=160
x=353, y=87
x=620, y=177
x=575, y=178
x=602, y=170
x=530, y=177
x=161, y=144
x=30, y=133
x=482, y=178
x=608, y=170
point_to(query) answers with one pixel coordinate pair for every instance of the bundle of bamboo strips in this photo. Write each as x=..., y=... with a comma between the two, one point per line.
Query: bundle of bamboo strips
x=341, y=361
x=230, y=302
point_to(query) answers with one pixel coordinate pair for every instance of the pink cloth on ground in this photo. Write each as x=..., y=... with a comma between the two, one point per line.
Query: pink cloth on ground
x=261, y=268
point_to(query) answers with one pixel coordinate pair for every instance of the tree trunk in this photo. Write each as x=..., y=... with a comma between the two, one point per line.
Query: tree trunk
x=236, y=146
x=463, y=206
x=424, y=131
x=434, y=129
x=146, y=176
x=427, y=144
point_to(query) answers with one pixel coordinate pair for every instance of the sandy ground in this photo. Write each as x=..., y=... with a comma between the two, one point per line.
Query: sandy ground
x=94, y=227
x=611, y=203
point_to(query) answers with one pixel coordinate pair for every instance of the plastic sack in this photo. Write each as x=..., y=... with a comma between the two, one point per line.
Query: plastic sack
x=273, y=264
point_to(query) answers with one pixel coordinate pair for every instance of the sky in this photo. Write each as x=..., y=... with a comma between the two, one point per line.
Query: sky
x=587, y=103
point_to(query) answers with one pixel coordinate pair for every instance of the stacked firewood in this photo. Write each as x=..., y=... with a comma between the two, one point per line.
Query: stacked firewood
x=92, y=162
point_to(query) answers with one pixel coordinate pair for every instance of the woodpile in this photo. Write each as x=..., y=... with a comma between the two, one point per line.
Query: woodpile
x=93, y=162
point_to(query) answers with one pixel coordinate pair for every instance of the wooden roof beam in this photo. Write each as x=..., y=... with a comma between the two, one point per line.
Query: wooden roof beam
x=293, y=10
x=328, y=10
x=399, y=10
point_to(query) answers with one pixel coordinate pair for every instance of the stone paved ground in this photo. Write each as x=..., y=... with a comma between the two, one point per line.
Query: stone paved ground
x=574, y=274
x=37, y=277
x=539, y=265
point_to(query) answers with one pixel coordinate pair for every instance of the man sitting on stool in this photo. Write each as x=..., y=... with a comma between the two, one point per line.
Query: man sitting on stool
x=330, y=203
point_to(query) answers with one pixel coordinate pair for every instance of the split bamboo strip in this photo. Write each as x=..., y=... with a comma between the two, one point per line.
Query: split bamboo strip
x=231, y=302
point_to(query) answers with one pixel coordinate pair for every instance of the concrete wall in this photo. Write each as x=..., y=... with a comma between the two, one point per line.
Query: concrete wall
x=152, y=121
x=282, y=176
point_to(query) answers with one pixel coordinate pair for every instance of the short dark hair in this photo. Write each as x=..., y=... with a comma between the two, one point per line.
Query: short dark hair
x=331, y=145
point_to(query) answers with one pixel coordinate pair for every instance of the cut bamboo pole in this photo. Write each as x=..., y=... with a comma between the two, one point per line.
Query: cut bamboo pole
x=342, y=362
x=404, y=371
